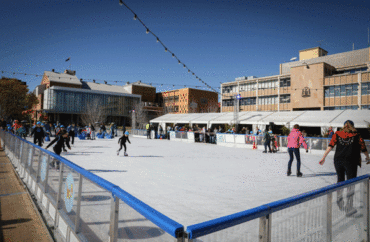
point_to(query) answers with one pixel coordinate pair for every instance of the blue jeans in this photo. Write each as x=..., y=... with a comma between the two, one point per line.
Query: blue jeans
x=297, y=156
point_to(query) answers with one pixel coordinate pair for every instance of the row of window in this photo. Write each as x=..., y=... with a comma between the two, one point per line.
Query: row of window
x=352, y=71
x=261, y=100
x=253, y=86
x=347, y=90
x=353, y=107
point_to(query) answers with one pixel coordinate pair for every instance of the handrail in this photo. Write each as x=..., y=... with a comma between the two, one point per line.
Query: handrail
x=165, y=223
x=211, y=226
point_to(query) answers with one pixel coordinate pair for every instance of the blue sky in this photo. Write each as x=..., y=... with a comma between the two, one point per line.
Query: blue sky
x=217, y=40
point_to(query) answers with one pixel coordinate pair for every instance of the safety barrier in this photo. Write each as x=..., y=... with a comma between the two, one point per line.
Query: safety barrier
x=138, y=132
x=182, y=136
x=312, y=216
x=82, y=205
x=85, y=207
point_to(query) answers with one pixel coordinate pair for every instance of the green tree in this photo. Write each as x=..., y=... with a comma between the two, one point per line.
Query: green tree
x=15, y=98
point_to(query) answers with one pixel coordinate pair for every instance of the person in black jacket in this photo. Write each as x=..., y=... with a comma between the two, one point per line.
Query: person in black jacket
x=122, y=142
x=71, y=132
x=3, y=124
x=38, y=134
x=59, y=140
x=347, y=158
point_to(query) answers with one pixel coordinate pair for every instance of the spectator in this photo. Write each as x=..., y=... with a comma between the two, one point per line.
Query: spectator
x=295, y=139
x=148, y=131
x=92, y=128
x=304, y=134
x=266, y=141
x=346, y=159
x=330, y=132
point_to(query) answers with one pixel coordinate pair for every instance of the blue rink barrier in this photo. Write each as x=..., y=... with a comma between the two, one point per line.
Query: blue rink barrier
x=311, y=216
x=33, y=164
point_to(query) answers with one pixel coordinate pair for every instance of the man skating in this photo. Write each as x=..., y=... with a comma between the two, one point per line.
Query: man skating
x=38, y=134
x=59, y=140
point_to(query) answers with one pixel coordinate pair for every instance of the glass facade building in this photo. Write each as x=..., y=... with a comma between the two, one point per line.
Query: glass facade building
x=75, y=101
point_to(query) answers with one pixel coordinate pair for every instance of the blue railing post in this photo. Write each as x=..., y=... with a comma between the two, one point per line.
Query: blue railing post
x=329, y=223
x=114, y=213
x=265, y=228
x=366, y=210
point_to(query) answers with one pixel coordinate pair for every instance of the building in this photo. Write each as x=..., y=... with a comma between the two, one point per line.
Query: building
x=64, y=98
x=189, y=100
x=317, y=81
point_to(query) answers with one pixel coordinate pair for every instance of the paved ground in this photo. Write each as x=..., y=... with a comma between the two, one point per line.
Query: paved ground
x=19, y=220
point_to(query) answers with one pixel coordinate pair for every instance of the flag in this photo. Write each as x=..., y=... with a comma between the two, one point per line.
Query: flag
x=68, y=58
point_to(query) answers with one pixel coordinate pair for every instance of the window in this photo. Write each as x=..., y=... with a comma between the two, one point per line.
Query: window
x=331, y=91
x=365, y=88
x=354, y=89
x=203, y=100
x=349, y=90
x=337, y=91
x=285, y=82
x=285, y=98
x=326, y=91
x=175, y=108
x=342, y=90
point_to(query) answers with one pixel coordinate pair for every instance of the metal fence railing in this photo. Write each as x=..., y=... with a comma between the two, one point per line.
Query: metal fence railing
x=139, y=132
x=85, y=207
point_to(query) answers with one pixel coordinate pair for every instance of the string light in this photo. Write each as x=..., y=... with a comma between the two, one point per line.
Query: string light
x=158, y=40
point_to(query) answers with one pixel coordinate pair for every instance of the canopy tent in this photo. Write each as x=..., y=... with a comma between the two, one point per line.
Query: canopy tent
x=334, y=118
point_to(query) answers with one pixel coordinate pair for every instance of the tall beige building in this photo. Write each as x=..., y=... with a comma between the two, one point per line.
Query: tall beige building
x=317, y=81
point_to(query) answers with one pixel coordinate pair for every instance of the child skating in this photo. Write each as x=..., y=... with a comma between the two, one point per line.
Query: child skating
x=59, y=140
x=122, y=141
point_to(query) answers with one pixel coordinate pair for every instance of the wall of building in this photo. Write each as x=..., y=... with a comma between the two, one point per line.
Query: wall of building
x=148, y=94
x=310, y=77
x=206, y=101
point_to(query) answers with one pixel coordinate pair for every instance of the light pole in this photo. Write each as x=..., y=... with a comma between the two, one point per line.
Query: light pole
x=236, y=110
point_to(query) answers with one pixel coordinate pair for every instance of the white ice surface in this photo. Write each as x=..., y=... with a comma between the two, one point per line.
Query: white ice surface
x=192, y=182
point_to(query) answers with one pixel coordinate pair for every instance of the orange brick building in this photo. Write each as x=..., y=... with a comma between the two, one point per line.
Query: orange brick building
x=316, y=81
x=189, y=100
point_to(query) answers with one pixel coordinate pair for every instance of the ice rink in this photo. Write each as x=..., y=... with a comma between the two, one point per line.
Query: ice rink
x=192, y=182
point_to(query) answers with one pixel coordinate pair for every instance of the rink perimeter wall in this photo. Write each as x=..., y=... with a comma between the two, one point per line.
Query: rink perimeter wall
x=85, y=207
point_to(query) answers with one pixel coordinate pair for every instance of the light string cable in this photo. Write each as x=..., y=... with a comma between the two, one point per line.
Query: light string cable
x=166, y=49
x=101, y=80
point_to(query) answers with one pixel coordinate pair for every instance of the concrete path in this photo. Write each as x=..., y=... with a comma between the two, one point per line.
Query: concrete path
x=19, y=218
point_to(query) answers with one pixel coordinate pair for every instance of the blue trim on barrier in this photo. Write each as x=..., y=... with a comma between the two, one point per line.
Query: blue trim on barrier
x=170, y=226
x=205, y=228
x=201, y=229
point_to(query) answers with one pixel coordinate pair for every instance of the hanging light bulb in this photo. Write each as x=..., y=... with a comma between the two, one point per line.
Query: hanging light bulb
x=173, y=55
x=188, y=71
x=184, y=66
x=120, y=2
x=135, y=17
x=165, y=49
x=157, y=39
x=147, y=30
x=179, y=62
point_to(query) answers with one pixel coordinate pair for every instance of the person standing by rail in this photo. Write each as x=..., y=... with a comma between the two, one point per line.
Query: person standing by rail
x=346, y=159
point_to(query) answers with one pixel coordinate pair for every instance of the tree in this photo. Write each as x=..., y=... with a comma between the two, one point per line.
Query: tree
x=93, y=113
x=141, y=116
x=15, y=98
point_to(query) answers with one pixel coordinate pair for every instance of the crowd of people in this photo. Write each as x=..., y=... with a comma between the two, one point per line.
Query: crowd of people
x=347, y=157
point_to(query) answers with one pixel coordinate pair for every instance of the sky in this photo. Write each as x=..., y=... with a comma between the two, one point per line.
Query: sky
x=217, y=40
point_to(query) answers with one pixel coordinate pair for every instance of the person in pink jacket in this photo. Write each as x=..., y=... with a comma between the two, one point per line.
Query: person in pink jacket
x=295, y=140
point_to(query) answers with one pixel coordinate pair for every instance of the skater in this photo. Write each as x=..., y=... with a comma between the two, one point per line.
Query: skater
x=71, y=132
x=59, y=140
x=266, y=141
x=295, y=140
x=92, y=128
x=38, y=133
x=122, y=141
x=346, y=159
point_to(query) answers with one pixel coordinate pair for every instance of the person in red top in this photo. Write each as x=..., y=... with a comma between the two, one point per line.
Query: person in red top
x=16, y=125
x=295, y=140
x=346, y=159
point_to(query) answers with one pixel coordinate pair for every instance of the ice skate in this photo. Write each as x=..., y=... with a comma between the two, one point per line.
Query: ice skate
x=117, y=153
x=299, y=174
x=288, y=173
x=126, y=154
